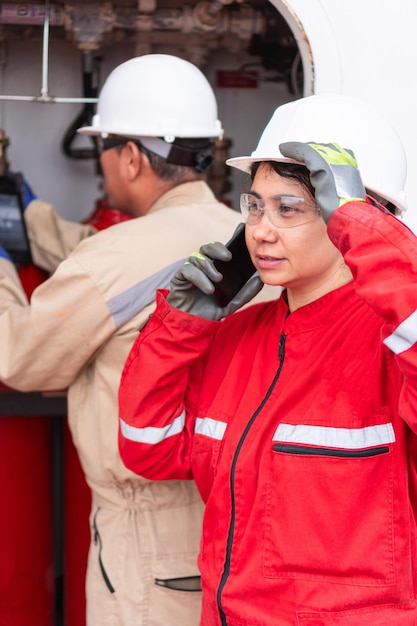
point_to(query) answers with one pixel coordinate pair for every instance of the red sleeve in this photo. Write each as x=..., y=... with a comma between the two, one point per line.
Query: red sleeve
x=158, y=393
x=382, y=254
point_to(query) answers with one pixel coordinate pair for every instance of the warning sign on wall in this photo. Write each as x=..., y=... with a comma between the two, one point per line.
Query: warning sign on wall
x=236, y=80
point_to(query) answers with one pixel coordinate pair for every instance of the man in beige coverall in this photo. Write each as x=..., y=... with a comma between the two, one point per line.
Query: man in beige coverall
x=81, y=323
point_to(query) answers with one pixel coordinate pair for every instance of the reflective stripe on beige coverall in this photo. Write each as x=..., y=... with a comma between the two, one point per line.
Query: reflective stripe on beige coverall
x=77, y=334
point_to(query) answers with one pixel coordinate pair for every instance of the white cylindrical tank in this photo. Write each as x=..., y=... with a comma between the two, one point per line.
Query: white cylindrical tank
x=367, y=50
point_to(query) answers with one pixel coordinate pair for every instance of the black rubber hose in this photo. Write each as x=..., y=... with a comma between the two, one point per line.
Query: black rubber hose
x=85, y=117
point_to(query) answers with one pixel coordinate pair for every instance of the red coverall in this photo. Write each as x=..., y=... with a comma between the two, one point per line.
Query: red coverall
x=300, y=432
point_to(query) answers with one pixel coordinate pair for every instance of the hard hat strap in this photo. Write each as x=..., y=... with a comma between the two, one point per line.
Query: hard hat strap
x=199, y=157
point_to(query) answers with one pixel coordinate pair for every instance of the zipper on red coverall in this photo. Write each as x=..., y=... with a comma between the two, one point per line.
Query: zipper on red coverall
x=226, y=571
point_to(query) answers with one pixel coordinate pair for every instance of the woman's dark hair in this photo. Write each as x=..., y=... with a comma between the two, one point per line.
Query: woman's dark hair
x=294, y=171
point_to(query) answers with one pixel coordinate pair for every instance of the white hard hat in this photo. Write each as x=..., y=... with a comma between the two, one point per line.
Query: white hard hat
x=156, y=95
x=352, y=123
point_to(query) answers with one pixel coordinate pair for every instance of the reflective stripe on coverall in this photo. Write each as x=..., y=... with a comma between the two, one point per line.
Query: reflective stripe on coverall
x=300, y=431
x=77, y=334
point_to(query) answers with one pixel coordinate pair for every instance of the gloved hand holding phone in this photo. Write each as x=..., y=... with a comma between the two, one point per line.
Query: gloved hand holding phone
x=193, y=286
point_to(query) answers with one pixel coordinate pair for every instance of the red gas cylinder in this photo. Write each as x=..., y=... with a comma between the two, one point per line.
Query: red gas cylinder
x=104, y=215
x=27, y=585
x=76, y=531
x=77, y=496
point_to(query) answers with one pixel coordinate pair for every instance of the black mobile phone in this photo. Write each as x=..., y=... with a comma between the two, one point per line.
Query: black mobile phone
x=237, y=271
x=13, y=234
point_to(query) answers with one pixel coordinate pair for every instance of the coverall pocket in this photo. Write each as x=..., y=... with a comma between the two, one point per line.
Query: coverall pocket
x=324, y=522
x=98, y=542
x=188, y=583
x=172, y=605
x=205, y=457
x=170, y=530
x=401, y=615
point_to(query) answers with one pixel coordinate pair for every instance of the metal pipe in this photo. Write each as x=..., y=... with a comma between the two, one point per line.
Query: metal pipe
x=45, y=52
x=50, y=99
x=44, y=96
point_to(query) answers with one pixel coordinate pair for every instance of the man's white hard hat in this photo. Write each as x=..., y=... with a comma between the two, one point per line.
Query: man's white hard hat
x=156, y=95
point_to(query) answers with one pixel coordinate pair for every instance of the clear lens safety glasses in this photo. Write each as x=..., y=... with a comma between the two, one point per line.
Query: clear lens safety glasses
x=283, y=211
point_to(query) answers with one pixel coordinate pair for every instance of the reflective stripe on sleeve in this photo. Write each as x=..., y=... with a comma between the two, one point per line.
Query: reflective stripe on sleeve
x=404, y=336
x=150, y=434
x=345, y=438
x=210, y=427
x=126, y=305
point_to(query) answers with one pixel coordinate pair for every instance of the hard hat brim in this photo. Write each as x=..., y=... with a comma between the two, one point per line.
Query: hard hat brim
x=192, y=134
x=88, y=130
x=245, y=163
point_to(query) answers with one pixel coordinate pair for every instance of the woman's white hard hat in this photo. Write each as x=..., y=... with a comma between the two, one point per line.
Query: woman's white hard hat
x=350, y=122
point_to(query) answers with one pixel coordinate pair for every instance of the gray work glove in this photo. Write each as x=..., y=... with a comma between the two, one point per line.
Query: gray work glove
x=333, y=170
x=192, y=289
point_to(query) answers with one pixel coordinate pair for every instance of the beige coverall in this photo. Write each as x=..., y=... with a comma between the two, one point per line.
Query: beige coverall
x=76, y=334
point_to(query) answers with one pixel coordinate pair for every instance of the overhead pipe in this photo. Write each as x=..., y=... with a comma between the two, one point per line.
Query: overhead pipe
x=44, y=94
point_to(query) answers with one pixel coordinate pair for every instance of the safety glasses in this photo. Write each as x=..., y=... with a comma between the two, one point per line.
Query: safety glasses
x=106, y=143
x=282, y=211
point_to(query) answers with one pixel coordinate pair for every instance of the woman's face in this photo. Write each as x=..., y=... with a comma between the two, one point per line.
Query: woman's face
x=300, y=258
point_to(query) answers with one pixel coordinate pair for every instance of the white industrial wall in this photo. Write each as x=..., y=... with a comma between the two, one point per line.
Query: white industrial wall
x=36, y=129
x=365, y=49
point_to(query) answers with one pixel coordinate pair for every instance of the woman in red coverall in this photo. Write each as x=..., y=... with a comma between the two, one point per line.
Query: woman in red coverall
x=297, y=418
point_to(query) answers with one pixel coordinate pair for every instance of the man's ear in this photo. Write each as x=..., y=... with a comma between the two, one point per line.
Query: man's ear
x=134, y=160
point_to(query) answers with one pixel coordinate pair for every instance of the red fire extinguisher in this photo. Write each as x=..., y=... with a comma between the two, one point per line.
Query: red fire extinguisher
x=77, y=496
x=76, y=533
x=30, y=592
x=27, y=586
